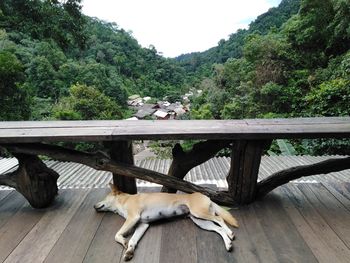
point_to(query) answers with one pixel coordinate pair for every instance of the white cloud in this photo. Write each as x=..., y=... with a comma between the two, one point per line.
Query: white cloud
x=181, y=26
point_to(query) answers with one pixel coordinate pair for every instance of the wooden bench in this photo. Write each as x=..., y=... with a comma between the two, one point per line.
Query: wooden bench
x=246, y=138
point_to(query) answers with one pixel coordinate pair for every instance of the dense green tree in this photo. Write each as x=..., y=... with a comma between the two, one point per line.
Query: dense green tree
x=14, y=100
x=87, y=103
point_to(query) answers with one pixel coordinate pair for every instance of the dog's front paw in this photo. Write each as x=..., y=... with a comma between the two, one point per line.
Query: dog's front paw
x=128, y=255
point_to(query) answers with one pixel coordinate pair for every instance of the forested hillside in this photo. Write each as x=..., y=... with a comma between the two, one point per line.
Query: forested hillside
x=199, y=63
x=292, y=61
x=301, y=68
x=57, y=63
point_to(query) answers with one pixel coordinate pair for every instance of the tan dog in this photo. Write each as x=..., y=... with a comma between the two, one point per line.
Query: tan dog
x=141, y=209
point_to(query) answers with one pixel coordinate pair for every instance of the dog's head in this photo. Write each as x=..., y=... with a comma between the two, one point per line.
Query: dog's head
x=110, y=203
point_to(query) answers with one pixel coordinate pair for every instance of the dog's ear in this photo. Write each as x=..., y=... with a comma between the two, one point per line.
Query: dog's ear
x=114, y=189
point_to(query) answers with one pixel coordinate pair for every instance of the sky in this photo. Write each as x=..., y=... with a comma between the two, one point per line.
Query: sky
x=177, y=27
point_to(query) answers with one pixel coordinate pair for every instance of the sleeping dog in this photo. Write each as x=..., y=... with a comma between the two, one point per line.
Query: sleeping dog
x=141, y=209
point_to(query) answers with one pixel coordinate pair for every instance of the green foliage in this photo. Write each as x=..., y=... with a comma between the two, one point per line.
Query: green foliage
x=286, y=147
x=57, y=47
x=204, y=112
x=330, y=98
x=14, y=99
x=87, y=103
x=300, y=68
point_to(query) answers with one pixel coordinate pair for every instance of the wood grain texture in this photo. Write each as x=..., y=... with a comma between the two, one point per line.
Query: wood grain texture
x=284, y=176
x=276, y=223
x=19, y=132
x=320, y=238
x=9, y=206
x=75, y=240
x=103, y=247
x=178, y=242
x=39, y=241
x=149, y=247
x=251, y=243
x=17, y=227
x=121, y=151
x=333, y=211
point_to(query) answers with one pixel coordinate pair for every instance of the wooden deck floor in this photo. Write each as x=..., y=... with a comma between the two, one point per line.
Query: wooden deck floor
x=295, y=223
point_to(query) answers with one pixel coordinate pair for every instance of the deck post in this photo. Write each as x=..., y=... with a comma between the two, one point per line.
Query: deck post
x=121, y=151
x=243, y=174
x=33, y=179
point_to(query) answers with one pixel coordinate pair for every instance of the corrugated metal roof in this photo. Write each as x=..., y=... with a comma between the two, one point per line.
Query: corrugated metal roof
x=214, y=171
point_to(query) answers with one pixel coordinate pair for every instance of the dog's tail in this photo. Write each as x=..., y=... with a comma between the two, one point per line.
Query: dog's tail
x=225, y=215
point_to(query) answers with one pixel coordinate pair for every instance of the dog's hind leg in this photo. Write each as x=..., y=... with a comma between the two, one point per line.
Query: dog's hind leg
x=129, y=223
x=139, y=231
x=210, y=226
x=203, y=214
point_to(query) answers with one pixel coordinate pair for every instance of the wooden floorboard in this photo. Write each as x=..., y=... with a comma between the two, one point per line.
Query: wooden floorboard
x=149, y=246
x=9, y=206
x=251, y=243
x=77, y=236
x=320, y=237
x=280, y=231
x=39, y=241
x=295, y=223
x=178, y=242
x=17, y=227
x=333, y=212
x=103, y=248
x=3, y=194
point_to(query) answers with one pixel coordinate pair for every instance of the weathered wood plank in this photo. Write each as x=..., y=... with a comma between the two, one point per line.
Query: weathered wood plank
x=335, y=214
x=276, y=223
x=341, y=192
x=39, y=241
x=19, y=132
x=149, y=247
x=75, y=134
x=292, y=199
x=103, y=247
x=211, y=248
x=9, y=205
x=317, y=233
x=77, y=236
x=17, y=227
x=121, y=151
x=4, y=193
x=251, y=243
x=178, y=242
x=243, y=174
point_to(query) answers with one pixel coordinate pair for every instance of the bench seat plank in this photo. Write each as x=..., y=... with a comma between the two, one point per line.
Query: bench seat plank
x=53, y=131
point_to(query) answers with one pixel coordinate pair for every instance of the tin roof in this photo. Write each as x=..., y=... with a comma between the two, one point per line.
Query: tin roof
x=214, y=171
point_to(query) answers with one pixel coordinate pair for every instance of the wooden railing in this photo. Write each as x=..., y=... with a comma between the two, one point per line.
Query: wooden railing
x=246, y=138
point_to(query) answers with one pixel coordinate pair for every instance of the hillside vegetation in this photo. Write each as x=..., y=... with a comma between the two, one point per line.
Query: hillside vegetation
x=54, y=62
x=292, y=61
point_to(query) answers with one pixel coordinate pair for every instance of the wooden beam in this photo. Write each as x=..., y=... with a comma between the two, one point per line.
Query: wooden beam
x=33, y=179
x=183, y=161
x=100, y=161
x=75, y=131
x=287, y=175
x=243, y=174
x=121, y=151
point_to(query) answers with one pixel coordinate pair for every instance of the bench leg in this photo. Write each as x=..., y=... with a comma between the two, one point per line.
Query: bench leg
x=121, y=151
x=243, y=174
x=34, y=180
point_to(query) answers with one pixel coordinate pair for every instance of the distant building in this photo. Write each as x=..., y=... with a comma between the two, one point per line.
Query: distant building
x=161, y=115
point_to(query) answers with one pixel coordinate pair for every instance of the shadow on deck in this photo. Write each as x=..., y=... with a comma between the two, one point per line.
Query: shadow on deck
x=295, y=223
